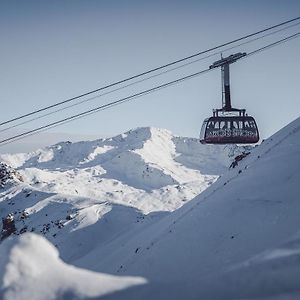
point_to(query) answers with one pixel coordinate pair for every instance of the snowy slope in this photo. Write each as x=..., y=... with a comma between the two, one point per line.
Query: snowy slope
x=31, y=269
x=240, y=239
x=73, y=192
x=147, y=168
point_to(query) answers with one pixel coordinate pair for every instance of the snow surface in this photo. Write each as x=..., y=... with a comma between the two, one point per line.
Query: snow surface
x=122, y=206
x=73, y=192
x=240, y=239
x=33, y=270
x=147, y=168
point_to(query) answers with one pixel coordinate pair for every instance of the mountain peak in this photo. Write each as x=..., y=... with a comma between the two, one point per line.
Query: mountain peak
x=118, y=206
x=148, y=168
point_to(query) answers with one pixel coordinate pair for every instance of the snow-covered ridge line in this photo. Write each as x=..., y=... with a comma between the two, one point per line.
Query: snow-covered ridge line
x=112, y=212
x=237, y=240
x=138, y=168
x=72, y=186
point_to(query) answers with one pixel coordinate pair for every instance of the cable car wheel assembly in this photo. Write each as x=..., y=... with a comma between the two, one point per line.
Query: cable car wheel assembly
x=228, y=125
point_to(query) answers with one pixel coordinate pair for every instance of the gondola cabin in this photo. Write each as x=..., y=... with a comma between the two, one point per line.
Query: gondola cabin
x=228, y=125
x=229, y=130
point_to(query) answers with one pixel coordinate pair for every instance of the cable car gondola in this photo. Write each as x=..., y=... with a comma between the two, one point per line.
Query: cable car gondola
x=228, y=125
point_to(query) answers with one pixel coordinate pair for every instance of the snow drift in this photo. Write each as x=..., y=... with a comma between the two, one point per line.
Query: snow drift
x=30, y=269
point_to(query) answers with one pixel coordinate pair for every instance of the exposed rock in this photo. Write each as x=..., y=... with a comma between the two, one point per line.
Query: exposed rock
x=8, y=227
x=8, y=174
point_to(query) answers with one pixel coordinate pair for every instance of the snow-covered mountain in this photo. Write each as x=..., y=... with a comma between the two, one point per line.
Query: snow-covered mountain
x=108, y=206
x=71, y=192
x=239, y=239
x=147, y=168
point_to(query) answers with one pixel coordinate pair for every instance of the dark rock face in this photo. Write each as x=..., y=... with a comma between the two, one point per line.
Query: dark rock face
x=7, y=174
x=9, y=226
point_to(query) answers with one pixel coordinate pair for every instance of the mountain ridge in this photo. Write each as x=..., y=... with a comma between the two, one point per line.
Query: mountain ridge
x=71, y=191
x=191, y=227
x=239, y=239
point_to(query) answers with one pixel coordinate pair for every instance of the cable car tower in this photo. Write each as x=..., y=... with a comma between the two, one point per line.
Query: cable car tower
x=228, y=125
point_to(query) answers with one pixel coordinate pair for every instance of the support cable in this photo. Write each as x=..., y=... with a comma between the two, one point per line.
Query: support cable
x=148, y=72
x=145, y=79
x=131, y=97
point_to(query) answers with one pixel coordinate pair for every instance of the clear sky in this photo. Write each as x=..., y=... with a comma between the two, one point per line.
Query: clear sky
x=54, y=50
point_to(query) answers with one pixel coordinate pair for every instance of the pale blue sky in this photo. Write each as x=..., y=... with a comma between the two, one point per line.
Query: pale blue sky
x=53, y=50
